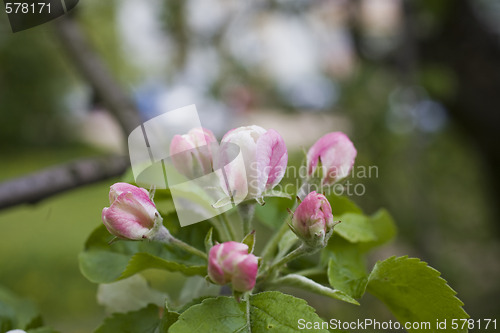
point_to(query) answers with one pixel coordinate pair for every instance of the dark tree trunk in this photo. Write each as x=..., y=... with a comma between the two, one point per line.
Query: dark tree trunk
x=472, y=52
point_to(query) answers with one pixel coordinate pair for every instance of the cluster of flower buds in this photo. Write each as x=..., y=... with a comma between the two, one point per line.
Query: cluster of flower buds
x=230, y=262
x=313, y=221
x=133, y=215
x=264, y=159
x=329, y=160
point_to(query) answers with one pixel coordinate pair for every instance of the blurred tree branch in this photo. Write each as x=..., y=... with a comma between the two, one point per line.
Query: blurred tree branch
x=48, y=182
x=43, y=184
x=97, y=74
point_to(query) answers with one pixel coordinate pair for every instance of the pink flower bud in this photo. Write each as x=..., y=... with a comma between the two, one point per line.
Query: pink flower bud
x=131, y=215
x=265, y=157
x=313, y=220
x=231, y=262
x=192, y=154
x=336, y=153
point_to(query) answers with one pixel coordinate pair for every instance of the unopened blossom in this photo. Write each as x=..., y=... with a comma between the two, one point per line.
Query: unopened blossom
x=265, y=158
x=313, y=221
x=335, y=153
x=191, y=153
x=230, y=262
x=132, y=214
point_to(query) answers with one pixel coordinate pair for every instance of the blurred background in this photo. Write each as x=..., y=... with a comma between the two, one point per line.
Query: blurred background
x=415, y=84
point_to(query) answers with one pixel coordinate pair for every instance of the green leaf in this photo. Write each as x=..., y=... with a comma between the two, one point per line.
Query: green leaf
x=274, y=213
x=42, y=330
x=415, y=292
x=196, y=287
x=274, y=311
x=164, y=205
x=299, y=281
x=17, y=312
x=218, y=315
x=355, y=228
x=345, y=251
x=168, y=319
x=194, y=301
x=346, y=268
x=142, y=261
x=269, y=311
x=145, y=320
x=287, y=241
x=129, y=294
x=102, y=262
x=192, y=234
x=249, y=240
x=100, y=266
x=342, y=205
x=384, y=228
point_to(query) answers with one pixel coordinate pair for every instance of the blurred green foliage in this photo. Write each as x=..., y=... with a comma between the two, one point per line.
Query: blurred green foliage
x=32, y=93
x=38, y=254
x=434, y=184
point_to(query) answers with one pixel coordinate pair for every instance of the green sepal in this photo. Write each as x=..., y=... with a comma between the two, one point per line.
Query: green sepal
x=250, y=241
x=208, y=240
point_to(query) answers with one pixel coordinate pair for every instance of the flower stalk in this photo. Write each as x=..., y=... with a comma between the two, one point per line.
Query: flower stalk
x=247, y=211
x=303, y=249
x=186, y=247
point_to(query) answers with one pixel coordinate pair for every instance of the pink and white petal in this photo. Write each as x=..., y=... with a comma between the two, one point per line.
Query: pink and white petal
x=141, y=196
x=215, y=271
x=127, y=227
x=231, y=247
x=254, y=131
x=244, y=138
x=119, y=188
x=127, y=203
x=245, y=273
x=272, y=158
x=201, y=136
x=337, y=154
x=181, y=153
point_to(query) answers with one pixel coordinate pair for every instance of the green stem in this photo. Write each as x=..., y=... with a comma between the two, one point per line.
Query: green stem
x=230, y=227
x=311, y=271
x=221, y=229
x=186, y=247
x=162, y=235
x=271, y=246
x=298, y=252
x=249, y=324
x=246, y=211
